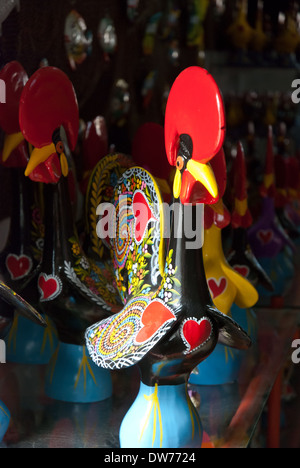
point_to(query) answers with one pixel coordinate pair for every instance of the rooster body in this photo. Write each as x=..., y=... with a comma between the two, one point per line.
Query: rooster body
x=73, y=290
x=19, y=261
x=168, y=323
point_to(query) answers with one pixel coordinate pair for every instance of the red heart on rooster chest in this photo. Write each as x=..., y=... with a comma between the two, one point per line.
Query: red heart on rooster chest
x=143, y=215
x=242, y=270
x=18, y=266
x=265, y=236
x=49, y=286
x=217, y=287
x=153, y=318
x=196, y=332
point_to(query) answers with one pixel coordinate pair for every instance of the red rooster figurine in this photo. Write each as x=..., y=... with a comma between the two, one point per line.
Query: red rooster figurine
x=74, y=292
x=241, y=256
x=169, y=323
x=20, y=259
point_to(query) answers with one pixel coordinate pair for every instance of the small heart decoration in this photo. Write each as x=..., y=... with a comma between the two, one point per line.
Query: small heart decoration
x=265, y=236
x=217, y=287
x=142, y=214
x=153, y=318
x=18, y=266
x=243, y=270
x=49, y=286
x=195, y=333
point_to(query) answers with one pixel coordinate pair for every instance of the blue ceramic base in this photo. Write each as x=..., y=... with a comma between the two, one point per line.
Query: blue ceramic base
x=29, y=343
x=73, y=377
x=224, y=364
x=4, y=420
x=161, y=417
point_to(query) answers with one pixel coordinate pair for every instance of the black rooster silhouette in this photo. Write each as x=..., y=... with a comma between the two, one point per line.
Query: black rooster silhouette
x=169, y=323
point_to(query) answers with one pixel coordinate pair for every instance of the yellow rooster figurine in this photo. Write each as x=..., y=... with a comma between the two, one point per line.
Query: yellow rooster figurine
x=288, y=39
x=240, y=34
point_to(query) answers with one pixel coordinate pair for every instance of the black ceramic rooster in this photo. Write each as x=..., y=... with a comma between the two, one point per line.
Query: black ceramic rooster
x=169, y=323
x=21, y=256
x=73, y=290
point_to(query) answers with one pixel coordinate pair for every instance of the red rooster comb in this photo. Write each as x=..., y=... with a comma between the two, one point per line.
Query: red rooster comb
x=14, y=153
x=47, y=102
x=15, y=78
x=194, y=131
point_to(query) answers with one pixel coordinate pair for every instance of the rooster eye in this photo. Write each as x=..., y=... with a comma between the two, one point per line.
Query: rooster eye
x=59, y=147
x=179, y=163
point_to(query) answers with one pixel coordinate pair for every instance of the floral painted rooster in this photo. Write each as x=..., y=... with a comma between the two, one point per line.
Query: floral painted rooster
x=169, y=323
x=74, y=291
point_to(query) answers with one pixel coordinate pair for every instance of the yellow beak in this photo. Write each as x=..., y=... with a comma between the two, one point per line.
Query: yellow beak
x=38, y=156
x=202, y=173
x=11, y=142
x=177, y=184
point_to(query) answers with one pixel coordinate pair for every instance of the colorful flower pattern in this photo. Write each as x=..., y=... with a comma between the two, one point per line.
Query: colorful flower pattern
x=132, y=263
x=97, y=276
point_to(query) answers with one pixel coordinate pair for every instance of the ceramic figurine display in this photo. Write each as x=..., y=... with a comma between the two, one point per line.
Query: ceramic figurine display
x=284, y=164
x=78, y=39
x=107, y=37
x=73, y=291
x=150, y=33
x=169, y=323
x=268, y=239
x=15, y=302
x=197, y=11
x=259, y=41
x=240, y=34
x=292, y=208
x=231, y=292
x=99, y=191
x=241, y=257
x=132, y=9
x=170, y=31
x=288, y=38
x=20, y=259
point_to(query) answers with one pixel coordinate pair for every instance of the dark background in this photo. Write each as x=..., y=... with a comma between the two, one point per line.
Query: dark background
x=36, y=32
